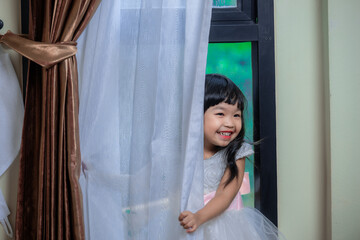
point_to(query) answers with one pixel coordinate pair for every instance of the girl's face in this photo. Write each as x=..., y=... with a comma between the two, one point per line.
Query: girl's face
x=222, y=124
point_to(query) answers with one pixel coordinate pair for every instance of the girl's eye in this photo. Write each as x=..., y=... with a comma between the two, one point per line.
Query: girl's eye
x=219, y=114
x=237, y=115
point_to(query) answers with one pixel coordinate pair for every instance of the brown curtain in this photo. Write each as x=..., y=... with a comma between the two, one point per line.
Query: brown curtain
x=49, y=204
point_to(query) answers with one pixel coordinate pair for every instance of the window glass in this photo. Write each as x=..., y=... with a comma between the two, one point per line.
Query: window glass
x=224, y=3
x=234, y=61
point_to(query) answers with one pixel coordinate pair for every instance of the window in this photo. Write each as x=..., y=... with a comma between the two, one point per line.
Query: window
x=224, y=3
x=234, y=60
x=250, y=23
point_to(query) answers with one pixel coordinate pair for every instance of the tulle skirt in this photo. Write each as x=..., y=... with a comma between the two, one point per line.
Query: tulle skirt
x=244, y=224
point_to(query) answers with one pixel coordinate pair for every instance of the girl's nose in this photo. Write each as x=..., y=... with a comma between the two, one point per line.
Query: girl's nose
x=229, y=123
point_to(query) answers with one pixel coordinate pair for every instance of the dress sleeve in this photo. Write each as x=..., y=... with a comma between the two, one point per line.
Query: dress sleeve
x=245, y=151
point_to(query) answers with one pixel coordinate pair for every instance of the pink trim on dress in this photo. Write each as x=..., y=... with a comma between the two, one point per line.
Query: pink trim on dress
x=237, y=203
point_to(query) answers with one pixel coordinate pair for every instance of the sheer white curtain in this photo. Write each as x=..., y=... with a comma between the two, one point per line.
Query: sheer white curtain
x=11, y=120
x=142, y=70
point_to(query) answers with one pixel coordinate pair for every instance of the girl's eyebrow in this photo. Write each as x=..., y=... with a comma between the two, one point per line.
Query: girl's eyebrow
x=218, y=108
x=224, y=109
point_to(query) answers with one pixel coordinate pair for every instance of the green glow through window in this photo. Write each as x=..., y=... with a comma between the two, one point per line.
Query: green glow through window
x=224, y=3
x=234, y=61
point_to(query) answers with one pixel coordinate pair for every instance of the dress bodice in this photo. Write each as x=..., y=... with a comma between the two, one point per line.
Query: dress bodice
x=237, y=222
x=214, y=167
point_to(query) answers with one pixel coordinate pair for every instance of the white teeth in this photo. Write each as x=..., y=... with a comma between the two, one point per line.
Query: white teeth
x=225, y=133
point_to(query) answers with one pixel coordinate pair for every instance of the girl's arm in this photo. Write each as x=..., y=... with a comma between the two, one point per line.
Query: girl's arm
x=217, y=205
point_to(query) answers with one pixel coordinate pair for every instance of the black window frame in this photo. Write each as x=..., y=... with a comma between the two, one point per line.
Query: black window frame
x=254, y=21
x=245, y=11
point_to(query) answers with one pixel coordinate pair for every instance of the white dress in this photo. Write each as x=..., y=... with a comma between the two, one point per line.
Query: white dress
x=236, y=223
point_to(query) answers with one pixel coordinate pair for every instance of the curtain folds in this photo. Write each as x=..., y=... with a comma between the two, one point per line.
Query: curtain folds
x=49, y=196
x=141, y=82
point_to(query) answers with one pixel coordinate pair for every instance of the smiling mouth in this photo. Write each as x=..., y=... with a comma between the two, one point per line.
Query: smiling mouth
x=225, y=133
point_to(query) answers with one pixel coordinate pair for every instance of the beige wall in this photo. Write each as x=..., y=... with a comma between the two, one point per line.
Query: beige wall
x=10, y=14
x=300, y=118
x=318, y=85
x=344, y=86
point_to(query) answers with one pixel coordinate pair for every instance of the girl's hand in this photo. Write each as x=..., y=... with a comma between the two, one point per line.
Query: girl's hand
x=217, y=205
x=190, y=221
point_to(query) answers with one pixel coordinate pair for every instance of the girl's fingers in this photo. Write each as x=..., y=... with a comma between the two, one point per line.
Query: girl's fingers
x=189, y=225
x=192, y=229
x=185, y=222
x=183, y=215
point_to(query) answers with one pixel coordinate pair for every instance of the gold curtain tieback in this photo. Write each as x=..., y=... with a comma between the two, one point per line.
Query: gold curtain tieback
x=44, y=54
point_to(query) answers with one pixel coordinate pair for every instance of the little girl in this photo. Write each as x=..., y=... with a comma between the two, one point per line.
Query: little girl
x=223, y=216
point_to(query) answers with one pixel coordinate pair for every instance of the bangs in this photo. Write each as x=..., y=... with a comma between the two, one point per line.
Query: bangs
x=220, y=89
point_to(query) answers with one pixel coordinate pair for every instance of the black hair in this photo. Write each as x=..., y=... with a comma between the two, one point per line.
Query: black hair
x=218, y=89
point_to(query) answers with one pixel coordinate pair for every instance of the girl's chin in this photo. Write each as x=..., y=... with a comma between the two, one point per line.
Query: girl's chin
x=224, y=140
x=223, y=143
